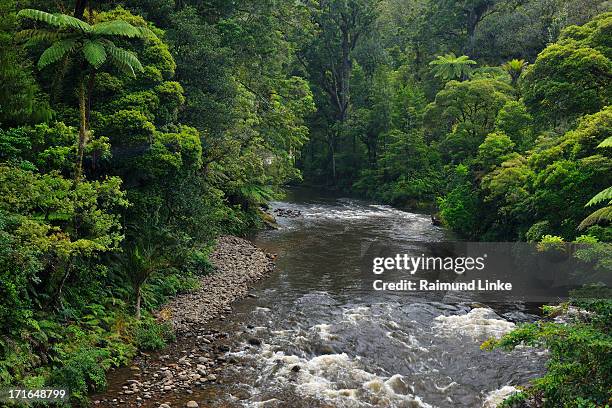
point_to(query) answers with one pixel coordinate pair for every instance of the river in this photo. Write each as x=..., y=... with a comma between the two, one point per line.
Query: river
x=326, y=341
x=313, y=335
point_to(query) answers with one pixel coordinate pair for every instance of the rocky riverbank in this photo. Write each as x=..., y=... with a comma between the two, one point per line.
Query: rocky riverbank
x=183, y=374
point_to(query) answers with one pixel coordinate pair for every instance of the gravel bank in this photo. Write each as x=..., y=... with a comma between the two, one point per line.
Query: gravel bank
x=239, y=264
x=187, y=370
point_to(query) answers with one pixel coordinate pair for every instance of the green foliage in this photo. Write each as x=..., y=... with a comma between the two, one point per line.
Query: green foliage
x=151, y=335
x=515, y=68
x=450, y=67
x=580, y=363
x=571, y=77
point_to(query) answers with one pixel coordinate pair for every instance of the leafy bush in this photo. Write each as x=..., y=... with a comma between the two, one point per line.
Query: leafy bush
x=151, y=335
x=580, y=366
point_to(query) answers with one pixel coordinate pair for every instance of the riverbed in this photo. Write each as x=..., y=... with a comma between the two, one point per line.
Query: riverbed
x=312, y=335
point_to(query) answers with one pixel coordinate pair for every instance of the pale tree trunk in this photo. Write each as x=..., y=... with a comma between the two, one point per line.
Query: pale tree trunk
x=82, y=131
x=138, y=301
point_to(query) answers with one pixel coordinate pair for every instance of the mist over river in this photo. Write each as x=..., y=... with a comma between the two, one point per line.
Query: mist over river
x=328, y=341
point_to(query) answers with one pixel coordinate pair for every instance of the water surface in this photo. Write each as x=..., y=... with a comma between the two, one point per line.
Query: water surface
x=326, y=340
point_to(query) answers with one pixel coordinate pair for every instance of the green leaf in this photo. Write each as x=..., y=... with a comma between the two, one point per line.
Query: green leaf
x=602, y=215
x=56, y=52
x=36, y=35
x=56, y=20
x=94, y=53
x=39, y=15
x=69, y=21
x=124, y=60
x=606, y=143
x=121, y=28
x=605, y=195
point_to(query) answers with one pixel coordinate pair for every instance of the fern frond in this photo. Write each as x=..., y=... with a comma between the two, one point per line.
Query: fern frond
x=606, y=143
x=94, y=53
x=605, y=195
x=37, y=34
x=56, y=52
x=73, y=22
x=124, y=60
x=600, y=216
x=119, y=28
x=38, y=15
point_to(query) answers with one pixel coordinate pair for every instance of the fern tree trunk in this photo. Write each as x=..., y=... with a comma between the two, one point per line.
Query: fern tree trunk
x=82, y=130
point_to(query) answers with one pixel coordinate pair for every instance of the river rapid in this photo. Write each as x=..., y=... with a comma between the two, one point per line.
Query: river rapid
x=313, y=336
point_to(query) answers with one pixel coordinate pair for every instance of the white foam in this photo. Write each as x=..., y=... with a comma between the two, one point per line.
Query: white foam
x=324, y=332
x=478, y=323
x=339, y=379
x=496, y=397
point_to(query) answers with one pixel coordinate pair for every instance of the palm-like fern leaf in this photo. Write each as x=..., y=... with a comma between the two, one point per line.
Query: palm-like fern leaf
x=37, y=34
x=124, y=60
x=602, y=196
x=121, y=28
x=94, y=53
x=56, y=20
x=38, y=15
x=56, y=52
x=606, y=143
x=73, y=22
x=602, y=215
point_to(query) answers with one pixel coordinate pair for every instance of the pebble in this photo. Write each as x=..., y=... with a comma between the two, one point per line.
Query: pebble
x=238, y=265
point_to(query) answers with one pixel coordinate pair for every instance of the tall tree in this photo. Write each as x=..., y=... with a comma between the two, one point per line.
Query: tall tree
x=341, y=25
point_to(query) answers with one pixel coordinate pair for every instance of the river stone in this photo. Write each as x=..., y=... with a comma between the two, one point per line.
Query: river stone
x=254, y=341
x=192, y=404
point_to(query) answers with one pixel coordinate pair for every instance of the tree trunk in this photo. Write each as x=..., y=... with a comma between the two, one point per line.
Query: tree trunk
x=332, y=153
x=138, y=300
x=82, y=131
x=79, y=8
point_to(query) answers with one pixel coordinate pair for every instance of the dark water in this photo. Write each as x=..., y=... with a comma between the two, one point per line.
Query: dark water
x=329, y=342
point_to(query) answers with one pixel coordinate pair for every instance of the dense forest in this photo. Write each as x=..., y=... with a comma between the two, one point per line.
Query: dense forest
x=132, y=133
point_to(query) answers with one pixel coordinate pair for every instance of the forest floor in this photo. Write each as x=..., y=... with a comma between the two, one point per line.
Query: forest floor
x=189, y=365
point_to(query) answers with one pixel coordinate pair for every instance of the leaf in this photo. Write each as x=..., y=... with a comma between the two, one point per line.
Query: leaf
x=56, y=52
x=124, y=60
x=69, y=21
x=599, y=216
x=56, y=20
x=36, y=35
x=94, y=53
x=39, y=15
x=117, y=27
x=606, y=143
x=605, y=195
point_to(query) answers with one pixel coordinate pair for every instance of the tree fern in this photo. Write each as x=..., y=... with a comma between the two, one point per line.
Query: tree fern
x=450, y=66
x=89, y=44
x=515, y=68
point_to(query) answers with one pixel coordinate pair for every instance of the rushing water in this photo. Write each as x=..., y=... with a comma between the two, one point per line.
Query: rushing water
x=328, y=342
